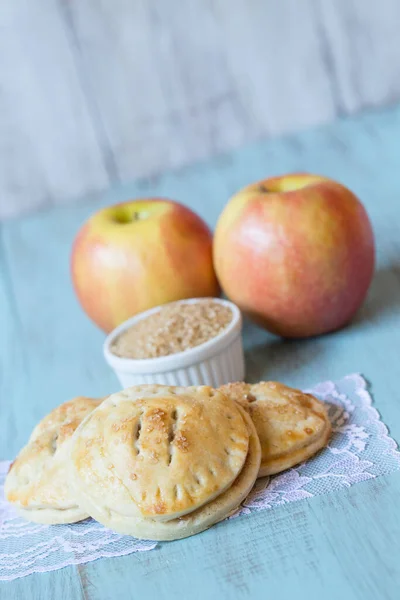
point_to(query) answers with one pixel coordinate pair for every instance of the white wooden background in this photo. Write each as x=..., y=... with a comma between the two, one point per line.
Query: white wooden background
x=95, y=92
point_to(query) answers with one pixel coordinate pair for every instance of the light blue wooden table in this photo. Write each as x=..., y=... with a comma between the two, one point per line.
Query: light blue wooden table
x=343, y=545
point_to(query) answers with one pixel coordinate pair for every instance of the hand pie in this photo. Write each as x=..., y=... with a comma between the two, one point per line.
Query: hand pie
x=292, y=426
x=163, y=463
x=37, y=483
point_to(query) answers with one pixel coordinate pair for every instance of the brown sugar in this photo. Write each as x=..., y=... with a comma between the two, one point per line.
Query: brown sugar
x=174, y=328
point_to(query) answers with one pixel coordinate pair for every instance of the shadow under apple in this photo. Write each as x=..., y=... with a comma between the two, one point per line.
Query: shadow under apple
x=383, y=299
x=270, y=357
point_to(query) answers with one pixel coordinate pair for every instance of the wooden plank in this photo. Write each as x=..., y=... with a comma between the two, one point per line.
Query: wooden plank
x=362, y=40
x=164, y=93
x=341, y=545
x=17, y=405
x=49, y=146
x=49, y=325
x=12, y=360
x=275, y=59
x=177, y=82
x=64, y=584
x=132, y=89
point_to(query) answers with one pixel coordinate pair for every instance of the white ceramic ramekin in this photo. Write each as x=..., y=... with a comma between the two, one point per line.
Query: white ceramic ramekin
x=217, y=361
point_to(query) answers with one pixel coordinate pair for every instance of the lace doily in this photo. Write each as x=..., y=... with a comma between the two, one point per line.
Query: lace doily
x=360, y=449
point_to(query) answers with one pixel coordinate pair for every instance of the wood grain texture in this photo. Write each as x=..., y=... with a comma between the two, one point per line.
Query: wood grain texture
x=65, y=583
x=49, y=151
x=363, y=52
x=11, y=354
x=275, y=57
x=344, y=544
x=312, y=549
x=158, y=74
x=96, y=92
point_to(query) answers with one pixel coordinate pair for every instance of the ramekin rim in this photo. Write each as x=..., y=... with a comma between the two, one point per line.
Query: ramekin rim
x=172, y=362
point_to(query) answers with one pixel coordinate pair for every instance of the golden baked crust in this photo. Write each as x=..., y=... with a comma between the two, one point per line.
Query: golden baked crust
x=159, y=452
x=37, y=482
x=66, y=417
x=292, y=426
x=194, y=522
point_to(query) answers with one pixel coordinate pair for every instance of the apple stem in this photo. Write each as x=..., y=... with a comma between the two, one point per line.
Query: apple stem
x=125, y=217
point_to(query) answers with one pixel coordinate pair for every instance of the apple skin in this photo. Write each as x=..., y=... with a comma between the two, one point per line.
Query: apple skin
x=296, y=253
x=138, y=254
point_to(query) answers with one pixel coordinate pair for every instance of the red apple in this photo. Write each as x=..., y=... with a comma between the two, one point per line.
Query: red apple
x=132, y=256
x=296, y=253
